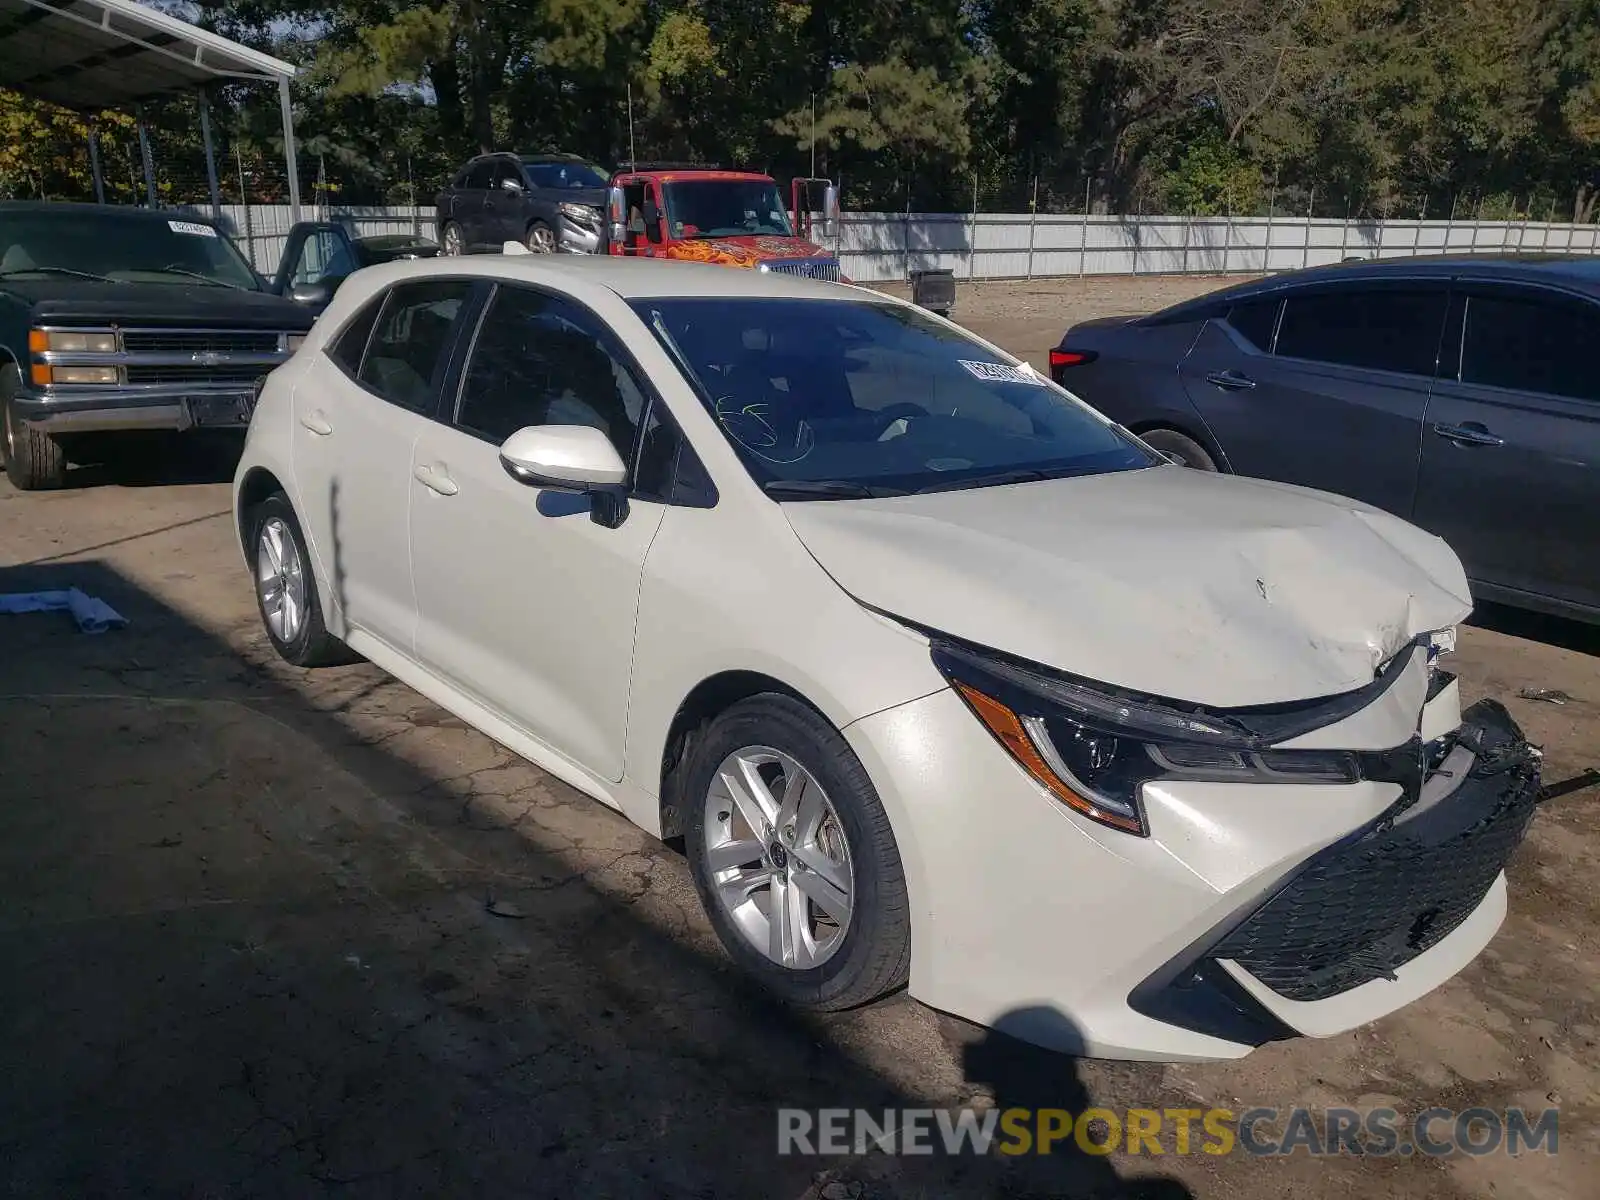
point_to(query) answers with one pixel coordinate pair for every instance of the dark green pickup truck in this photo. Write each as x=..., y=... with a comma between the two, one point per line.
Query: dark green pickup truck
x=115, y=319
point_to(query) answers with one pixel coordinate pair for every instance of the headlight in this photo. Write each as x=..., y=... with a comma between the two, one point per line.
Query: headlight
x=79, y=343
x=581, y=213
x=293, y=341
x=1094, y=749
x=82, y=374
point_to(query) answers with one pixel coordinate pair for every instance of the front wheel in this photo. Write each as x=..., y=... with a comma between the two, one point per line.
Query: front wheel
x=286, y=589
x=541, y=238
x=34, y=460
x=451, y=243
x=793, y=856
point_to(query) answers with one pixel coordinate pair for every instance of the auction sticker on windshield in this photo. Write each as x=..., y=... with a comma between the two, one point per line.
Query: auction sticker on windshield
x=1001, y=373
x=194, y=228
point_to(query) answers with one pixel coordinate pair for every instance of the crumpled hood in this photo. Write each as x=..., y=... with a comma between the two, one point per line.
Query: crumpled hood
x=1177, y=583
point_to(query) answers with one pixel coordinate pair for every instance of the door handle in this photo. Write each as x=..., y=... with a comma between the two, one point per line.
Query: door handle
x=1230, y=381
x=316, y=423
x=435, y=480
x=1469, y=434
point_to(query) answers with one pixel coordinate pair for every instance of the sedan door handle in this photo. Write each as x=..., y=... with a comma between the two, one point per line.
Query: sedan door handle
x=1230, y=381
x=1470, y=434
x=436, y=480
x=316, y=423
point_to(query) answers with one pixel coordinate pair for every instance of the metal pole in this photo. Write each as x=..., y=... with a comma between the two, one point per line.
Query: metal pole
x=1083, y=236
x=1344, y=234
x=1272, y=203
x=289, y=162
x=244, y=203
x=1033, y=223
x=1449, y=223
x=144, y=157
x=94, y=164
x=972, y=246
x=211, y=156
x=1311, y=208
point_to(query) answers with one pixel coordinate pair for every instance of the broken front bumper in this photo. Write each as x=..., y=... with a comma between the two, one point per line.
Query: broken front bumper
x=1361, y=910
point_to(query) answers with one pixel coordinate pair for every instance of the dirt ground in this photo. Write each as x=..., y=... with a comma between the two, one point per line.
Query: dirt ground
x=270, y=932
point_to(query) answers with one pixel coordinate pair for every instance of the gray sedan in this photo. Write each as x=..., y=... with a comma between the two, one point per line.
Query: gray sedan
x=1460, y=393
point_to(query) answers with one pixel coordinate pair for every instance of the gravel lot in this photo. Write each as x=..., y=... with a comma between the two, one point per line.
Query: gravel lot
x=271, y=932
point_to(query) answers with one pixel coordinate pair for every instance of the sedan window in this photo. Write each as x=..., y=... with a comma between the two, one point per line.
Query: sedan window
x=835, y=398
x=1531, y=346
x=1381, y=329
x=542, y=360
x=406, y=356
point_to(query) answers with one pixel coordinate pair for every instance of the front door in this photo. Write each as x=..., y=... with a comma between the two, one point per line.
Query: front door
x=352, y=451
x=1337, y=401
x=526, y=603
x=1511, y=446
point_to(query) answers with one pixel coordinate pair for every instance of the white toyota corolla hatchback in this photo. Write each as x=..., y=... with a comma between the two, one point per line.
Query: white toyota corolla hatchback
x=943, y=679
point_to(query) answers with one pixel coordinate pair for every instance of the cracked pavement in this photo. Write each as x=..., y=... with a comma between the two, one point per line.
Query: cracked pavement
x=278, y=933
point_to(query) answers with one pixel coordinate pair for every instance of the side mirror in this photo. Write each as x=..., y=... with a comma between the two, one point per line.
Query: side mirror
x=563, y=458
x=617, y=214
x=314, y=295
x=830, y=210
x=511, y=185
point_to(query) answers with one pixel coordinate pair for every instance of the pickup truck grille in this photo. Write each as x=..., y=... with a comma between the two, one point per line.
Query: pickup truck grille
x=810, y=268
x=199, y=341
x=186, y=373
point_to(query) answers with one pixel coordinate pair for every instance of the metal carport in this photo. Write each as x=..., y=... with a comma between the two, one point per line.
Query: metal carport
x=91, y=55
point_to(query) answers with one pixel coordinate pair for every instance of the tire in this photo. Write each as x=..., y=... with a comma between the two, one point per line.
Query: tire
x=452, y=243
x=1170, y=441
x=541, y=239
x=836, y=965
x=35, y=461
x=306, y=642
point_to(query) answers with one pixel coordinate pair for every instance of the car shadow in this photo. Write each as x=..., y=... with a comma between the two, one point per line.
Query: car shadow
x=266, y=933
x=146, y=459
x=1562, y=632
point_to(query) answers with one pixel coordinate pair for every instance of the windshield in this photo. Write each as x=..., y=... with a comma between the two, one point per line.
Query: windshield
x=708, y=208
x=564, y=175
x=855, y=398
x=120, y=248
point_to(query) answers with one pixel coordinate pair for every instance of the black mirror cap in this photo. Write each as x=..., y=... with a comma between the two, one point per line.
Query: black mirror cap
x=313, y=295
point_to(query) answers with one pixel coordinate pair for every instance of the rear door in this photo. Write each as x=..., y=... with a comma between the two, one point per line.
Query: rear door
x=1511, y=452
x=1335, y=400
x=504, y=203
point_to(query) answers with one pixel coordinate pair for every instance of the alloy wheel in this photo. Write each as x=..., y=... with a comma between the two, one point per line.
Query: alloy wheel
x=541, y=240
x=280, y=580
x=452, y=241
x=778, y=858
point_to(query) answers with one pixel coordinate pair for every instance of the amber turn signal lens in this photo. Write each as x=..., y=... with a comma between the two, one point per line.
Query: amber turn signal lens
x=1007, y=729
x=41, y=375
x=38, y=341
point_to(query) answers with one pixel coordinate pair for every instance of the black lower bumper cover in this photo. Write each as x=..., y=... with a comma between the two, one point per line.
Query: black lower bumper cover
x=1363, y=907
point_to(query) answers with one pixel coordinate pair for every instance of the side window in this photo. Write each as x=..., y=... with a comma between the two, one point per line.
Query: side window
x=1255, y=321
x=351, y=344
x=406, y=356
x=1531, y=345
x=505, y=172
x=1381, y=329
x=323, y=256
x=542, y=360
x=633, y=195
x=480, y=175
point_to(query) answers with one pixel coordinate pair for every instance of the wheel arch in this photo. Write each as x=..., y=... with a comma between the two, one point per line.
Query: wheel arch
x=1195, y=431
x=257, y=484
x=707, y=700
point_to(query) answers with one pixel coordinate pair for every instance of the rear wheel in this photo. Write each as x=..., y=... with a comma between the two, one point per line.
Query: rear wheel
x=793, y=856
x=541, y=238
x=286, y=589
x=1181, y=446
x=34, y=460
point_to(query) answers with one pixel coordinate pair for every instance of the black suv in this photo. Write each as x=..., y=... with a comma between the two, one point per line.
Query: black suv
x=550, y=202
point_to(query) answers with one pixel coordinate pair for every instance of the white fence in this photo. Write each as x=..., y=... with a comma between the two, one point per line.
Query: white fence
x=884, y=247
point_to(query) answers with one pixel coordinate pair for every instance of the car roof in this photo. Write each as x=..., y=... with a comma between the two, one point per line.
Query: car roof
x=1577, y=272
x=108, y=210
x=635, y=278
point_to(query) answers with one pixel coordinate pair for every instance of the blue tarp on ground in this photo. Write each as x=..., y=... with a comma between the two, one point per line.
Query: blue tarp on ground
x=92, y=615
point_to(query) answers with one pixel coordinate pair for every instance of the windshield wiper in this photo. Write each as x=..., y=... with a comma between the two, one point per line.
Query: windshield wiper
x=997, y=479
x=56, y=271
x=825, y=489
x=206, y=279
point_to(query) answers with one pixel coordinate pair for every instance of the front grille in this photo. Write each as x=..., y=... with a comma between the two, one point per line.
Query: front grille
x=811, y=268
x=1360, y=910
x=199, y=341
x=234, y=373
